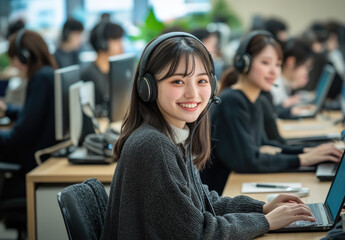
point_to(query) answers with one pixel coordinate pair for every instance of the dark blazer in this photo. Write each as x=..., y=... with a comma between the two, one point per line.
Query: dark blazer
x=237, y=135
x=34, y=126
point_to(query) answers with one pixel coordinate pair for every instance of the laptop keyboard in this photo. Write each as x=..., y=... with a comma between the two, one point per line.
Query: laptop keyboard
x=315, y=208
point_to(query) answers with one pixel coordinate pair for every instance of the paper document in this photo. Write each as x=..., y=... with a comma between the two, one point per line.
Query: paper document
x=259, y=187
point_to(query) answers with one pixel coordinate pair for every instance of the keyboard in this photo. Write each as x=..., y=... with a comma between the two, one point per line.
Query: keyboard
x=319, y=219
x=315, y=209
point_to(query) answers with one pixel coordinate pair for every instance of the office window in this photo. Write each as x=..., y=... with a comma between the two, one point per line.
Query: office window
x=39, y=14
x=165, y=11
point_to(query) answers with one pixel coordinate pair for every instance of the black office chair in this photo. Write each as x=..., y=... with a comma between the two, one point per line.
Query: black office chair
x=83, y=206
x=12, y=210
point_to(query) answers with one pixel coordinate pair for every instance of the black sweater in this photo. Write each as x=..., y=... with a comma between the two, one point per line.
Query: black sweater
x=153, y=196
x=34, y=127
x=237, y=135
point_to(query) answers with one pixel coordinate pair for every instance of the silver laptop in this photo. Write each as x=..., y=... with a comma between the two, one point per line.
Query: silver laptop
x=327, y=213
x=326, y=171
x=323, y=86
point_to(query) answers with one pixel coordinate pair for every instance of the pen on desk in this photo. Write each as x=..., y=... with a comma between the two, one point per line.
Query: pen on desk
x=262, y=185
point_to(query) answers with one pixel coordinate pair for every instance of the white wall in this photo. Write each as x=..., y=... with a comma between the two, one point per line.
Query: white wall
x=298, y=14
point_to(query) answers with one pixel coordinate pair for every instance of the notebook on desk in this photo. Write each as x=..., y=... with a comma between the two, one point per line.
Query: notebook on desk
x=322, y=89
x=327, y=213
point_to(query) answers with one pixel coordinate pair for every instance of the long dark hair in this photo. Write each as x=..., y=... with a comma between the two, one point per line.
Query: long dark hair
x=39, y=53
x=255, y=46
x=168, y=54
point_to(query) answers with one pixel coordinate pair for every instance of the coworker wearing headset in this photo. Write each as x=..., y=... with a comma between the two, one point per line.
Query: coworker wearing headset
x=106, y=39
x=279, y=102
x=239, y=139
x=296, y=65
x=34, y=126
x=156, y=192
x=67, y=53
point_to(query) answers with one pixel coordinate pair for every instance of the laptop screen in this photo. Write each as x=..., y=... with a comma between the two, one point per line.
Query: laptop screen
x=336, y=193
x=324, y=84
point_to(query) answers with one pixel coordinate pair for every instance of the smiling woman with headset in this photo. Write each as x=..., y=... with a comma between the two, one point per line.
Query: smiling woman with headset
x=34, y=122
x=238, y=125
x=156, y=192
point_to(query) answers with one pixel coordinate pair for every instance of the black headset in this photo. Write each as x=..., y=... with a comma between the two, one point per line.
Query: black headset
x=243, y=59
x=146, y=83
x=101, y=42
x=65, y=33
x=23, y=53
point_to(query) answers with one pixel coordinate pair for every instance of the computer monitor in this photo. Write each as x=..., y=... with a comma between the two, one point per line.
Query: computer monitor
x=324, y=84
x=63, y=79
x=81, y=106
x=122, y=69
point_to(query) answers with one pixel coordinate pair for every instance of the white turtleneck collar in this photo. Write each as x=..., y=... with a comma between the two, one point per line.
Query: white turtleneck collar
x=180, y=135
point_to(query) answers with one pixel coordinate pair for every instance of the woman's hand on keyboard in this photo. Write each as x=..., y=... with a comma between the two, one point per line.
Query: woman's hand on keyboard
x=288, y=213
x=321, y=153
x=280, y=200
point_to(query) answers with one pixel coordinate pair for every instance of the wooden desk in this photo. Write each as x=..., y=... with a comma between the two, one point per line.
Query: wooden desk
x=57, y=171
x=318, y=193
x=320, y=125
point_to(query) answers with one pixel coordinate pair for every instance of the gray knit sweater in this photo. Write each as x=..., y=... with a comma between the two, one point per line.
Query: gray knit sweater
x=153, y=196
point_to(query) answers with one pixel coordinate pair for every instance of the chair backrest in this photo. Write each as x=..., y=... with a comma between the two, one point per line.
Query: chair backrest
x=83, y=206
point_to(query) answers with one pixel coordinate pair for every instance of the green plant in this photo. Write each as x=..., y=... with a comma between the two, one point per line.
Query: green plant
x=222, y=10
x=150, y=29
x=4, y=61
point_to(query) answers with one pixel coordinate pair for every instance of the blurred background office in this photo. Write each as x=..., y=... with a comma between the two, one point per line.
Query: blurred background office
x=144, y=19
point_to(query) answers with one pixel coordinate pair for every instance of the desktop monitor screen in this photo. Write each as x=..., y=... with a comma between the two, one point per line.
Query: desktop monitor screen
x=81, y=96
x=63, y=79
x=122, y=68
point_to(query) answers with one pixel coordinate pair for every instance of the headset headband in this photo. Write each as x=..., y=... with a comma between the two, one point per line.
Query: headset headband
x=146, y=84
x=151, y=47
x=248, y=38
x=243, y=58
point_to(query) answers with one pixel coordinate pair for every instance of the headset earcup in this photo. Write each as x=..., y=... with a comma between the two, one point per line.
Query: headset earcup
x=24, y=56
x=65, y=34
x=247, y=63
x=242, y=63
x=239, y=64
x=147, y=88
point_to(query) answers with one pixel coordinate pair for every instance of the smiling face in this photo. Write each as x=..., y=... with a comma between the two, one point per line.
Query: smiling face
x=265, y=68
x=181, y=99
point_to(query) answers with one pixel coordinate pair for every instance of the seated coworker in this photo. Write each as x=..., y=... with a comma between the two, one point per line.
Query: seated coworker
x=296, y=64
x=239, y=139
x=67, y=53
x=34, y=126
x=106, y=39
x=156, y=192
